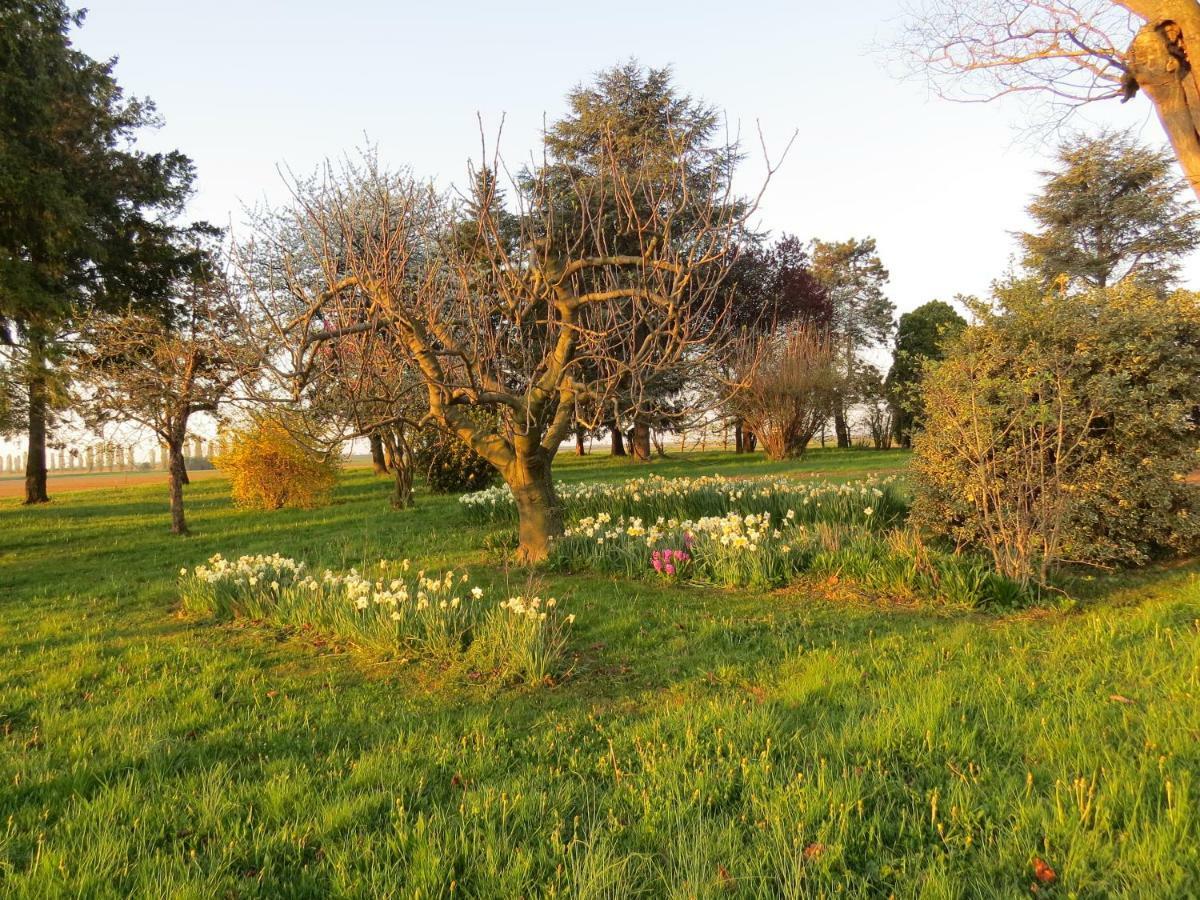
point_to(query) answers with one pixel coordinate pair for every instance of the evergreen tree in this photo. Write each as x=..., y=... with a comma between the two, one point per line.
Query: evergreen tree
x=638, y=116
x=861, y=314
x=86, y=220
x=922, y=335
x=1113, y=209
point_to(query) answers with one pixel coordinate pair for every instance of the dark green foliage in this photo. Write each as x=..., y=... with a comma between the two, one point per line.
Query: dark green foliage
x=86, y=220
x=638, y=115
x=450, y=466
x=1113, y=209
x=922, y=335
x=1059, y=428
x=854, y=278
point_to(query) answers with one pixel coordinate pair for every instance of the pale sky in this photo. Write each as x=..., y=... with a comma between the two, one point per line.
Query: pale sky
x=248, y=86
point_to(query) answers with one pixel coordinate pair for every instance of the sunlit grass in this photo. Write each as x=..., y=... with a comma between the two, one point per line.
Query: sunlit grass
x=703, y=742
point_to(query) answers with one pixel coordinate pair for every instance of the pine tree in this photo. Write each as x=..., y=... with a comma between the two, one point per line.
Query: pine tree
x=1113, y=209
x=86, y=220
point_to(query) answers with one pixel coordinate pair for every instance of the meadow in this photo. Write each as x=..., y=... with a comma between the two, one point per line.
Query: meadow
x=817, y=738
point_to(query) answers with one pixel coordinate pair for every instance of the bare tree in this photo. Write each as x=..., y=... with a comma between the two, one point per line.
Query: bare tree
x=522, y=327
x=789, y=390
x=1068, y=52
x=158, y=373
x=357, y=386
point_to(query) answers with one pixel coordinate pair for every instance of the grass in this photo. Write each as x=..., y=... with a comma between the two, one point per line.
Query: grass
x=805, y=742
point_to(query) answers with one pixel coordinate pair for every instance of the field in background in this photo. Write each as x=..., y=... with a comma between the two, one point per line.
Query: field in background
x=805, y=742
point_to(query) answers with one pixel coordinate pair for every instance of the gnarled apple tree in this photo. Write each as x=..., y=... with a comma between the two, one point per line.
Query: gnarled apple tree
x=516, y=315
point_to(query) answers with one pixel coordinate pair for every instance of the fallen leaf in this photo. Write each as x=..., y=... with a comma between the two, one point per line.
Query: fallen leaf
x=272, y=694
x=1042, y=872
x=1117, y=698
x=813, y=850
x=724, y=877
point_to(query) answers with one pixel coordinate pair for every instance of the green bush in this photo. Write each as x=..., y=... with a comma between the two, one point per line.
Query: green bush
x=452, y=467
x=1060, y=428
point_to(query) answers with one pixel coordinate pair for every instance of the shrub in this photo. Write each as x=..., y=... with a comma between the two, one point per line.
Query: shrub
x=789, y=392
x=1060, y=428
x=388, y=608
x=269, y=468
x=451, y=466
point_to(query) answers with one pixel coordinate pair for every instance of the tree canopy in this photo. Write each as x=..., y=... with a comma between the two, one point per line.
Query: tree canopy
x=922, y=335
x=1110, y=210
x=87, y=221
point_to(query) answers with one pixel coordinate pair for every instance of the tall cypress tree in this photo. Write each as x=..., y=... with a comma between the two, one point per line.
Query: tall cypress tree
x=87, y=221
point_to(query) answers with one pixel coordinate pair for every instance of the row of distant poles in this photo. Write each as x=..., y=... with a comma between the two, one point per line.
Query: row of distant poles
x=110, y=457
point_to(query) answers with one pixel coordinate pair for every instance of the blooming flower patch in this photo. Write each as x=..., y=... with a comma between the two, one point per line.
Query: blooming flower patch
x=873, y=499
x=391, y=608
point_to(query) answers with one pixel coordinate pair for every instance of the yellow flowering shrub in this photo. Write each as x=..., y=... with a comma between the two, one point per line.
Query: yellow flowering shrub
x=269, y=468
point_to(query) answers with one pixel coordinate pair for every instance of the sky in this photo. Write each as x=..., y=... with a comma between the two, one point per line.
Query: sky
x=252, y=87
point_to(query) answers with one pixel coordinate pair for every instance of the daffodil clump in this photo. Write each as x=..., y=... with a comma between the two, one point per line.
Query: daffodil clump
x=655, y=497
x=733, y=549
x=392, y=608
x=749, y=532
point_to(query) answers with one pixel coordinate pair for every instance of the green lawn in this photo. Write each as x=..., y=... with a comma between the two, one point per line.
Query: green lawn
x=706, y=742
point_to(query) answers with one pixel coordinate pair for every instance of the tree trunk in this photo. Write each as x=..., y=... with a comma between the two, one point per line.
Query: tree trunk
x=841, y=427
x=378, y=460
x=402, y=496
x=580, y=449
x=618, y=445
x=1159, y=64
x=35, y=461
x=639, y=440
x=538, y=511
x=176, y=479
x=738, y=445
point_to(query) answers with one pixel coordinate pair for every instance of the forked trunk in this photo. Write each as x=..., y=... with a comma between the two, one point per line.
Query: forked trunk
x=176, y=479
x=35, y=461
x=538, y=511
x=402, y=495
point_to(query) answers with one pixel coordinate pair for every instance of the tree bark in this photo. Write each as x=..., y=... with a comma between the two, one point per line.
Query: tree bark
x=1159, y=63
x=538, y=510
x=378, y=460
x=580, y=449
x=738, y=445
x=639, y=440
x=176, y=479
x=841, y=427
x=618, y=444
x=35, y=461
x=402, y=495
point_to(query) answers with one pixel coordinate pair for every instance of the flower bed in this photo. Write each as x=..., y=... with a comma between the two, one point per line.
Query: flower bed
x=390, y=609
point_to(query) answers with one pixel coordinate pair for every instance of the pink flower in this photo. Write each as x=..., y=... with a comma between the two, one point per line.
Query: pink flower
x=657, y=563
x=669, y=569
